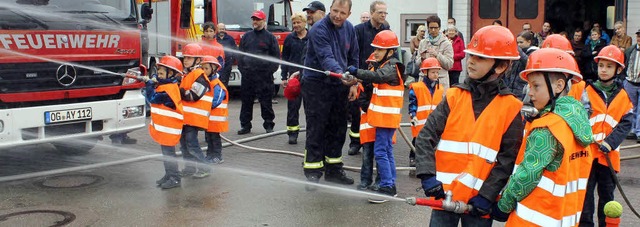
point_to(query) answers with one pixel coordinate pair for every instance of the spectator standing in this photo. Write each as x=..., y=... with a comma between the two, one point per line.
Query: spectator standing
x=546, y=31
x=603, y=34
x=435, y=45
x=315, y=12
x=594, y=44
x=293, y=43
x=578, y=47
x=621, y=39
x=527, y=27
x=365, y=16
x=228, y=43
x=332, y=46
x=452, y=21
x=525, y=42
x=211, y=46
x=632, y=82
x=458, y=54
x=415, y=41
x=365, y=33
x=257, y=74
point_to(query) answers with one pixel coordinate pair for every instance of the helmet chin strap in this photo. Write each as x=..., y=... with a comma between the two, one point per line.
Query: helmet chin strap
x=490, y=73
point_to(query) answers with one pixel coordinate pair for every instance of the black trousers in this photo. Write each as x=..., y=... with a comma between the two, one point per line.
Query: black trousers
x=225, y=72
x=256, y=84
x=293, y=114
x=454, y=77
x=325, y=107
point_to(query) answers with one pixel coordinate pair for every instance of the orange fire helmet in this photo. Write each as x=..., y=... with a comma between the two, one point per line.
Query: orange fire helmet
x=371, y=58
x=211, y=60
x=192, y=50
x=495, y=42
x=430, y=63
x=558, y=42
x=385, y=40
x=171, y=62
x=611, y=53
x=292, y=90
x=552, y=60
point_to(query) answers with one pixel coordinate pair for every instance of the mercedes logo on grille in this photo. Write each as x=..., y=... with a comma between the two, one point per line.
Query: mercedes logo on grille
x=66, y=75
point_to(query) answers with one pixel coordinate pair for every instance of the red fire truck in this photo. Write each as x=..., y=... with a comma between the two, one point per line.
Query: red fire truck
x=61, y=66
x=177, y=22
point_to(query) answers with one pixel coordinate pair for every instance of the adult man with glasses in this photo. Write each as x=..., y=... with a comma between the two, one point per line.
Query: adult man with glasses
x=438, y=46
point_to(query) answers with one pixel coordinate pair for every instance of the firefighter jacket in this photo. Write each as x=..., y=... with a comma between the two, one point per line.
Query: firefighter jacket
x=166, y=115
x=610, y=118
x=559, y=194
x=422, y=102
x=196, y=103
x=218, y=117
x=477, y=125
x=262, y=43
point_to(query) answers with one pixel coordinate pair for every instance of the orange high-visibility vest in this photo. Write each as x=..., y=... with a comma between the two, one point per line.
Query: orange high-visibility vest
x=386, y=104
x=166, y=124
x=468, y=148
x=558, y=198
x=214, y=49
x=196, y=113
x=426, y=103
x=576, y=90
x=603, y=119
x=218, y=116
x=367, y=132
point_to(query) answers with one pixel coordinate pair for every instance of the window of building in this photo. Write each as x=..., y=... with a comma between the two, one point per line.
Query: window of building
x=526, y=9
x=410, y=26
x=489, y=9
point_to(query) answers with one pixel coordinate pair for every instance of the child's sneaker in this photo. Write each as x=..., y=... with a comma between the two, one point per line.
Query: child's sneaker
x=162, y=180
x=201, y=174
x=170, y=183
x=217, y=160
x=388, y=191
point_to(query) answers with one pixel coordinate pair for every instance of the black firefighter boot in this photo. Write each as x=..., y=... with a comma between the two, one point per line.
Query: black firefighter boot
x=354, y=146
x=338, y=176
x=293, y=137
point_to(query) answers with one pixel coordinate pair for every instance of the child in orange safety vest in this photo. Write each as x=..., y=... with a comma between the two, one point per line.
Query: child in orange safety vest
x=549, y=182
x=166, y=123
x=424, y=95
x=197, y=105
x=384, y=110
x=218, y=116
x=611, y=116
x=367, y=133
x=470, y=141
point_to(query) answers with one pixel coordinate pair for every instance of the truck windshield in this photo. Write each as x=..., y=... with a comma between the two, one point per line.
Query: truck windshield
x=52, y=12
x=236, y=15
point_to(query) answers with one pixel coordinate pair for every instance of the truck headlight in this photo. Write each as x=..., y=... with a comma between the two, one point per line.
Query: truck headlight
x=133, y=111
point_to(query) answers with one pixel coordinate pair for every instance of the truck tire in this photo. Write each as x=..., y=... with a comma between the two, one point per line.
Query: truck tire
x=82, y=146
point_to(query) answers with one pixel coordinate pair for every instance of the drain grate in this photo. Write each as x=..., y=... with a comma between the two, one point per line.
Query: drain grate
x=69, y=181
x=38, y=216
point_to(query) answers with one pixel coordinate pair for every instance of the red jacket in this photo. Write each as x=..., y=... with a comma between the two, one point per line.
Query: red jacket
x=458, y=53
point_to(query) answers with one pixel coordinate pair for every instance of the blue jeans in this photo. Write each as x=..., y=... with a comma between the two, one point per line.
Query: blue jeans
x=214, y=144
x=383, y=153
x=170, y=161
x=440, y=218
x=190, y=147
x=600, y=176
x=366, y=172
x=634, y=94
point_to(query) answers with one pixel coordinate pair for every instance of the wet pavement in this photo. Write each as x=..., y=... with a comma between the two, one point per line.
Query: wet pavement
x=249, y=189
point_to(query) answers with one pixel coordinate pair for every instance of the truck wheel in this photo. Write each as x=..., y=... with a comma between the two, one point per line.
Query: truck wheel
x=76, y=148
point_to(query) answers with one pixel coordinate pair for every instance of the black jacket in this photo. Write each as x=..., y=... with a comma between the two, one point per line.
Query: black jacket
x=428, y=138
x=512, y=77
x=387, y=74
x=365, y=32
x=261, y=43
x=229, y=44
x=590, y=70
x=293, y=51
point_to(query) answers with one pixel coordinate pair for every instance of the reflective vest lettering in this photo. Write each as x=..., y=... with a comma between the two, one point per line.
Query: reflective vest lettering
x=166, y=124
x=558, y=198
x=196, y=113
x=386, y=105
x=468, y=147
x=426, y=104
x=218, y=116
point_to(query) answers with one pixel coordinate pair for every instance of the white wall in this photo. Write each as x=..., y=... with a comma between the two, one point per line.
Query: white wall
x=633, y=18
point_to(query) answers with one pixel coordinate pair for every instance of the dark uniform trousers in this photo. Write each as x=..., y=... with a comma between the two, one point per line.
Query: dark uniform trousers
x=293, y=114
x=354, y=133
x=325, y=107
x=256, y=84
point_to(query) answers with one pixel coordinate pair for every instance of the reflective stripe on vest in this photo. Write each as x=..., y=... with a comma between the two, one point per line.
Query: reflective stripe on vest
x=558, y=197
x=386, y=104
x=604, y=118
x=166, y=123
x=196, y=113
x=469, y=145
x=426, y=102
x=218, y=117
x=367, y=132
